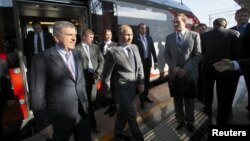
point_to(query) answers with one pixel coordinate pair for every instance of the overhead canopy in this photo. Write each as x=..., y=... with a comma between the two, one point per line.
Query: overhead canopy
x=243, y=3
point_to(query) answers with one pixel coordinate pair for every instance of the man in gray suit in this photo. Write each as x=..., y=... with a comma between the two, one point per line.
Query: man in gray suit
x=123, y=70
x=58, y=96
x=183, y=54
x=93, y=66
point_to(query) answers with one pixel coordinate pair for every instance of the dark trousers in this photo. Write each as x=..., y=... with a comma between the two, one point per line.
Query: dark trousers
x=91, y=90
x=81, y=131
x=146, y=69
x=226, y=86
x=247, y=80
x=127, y=114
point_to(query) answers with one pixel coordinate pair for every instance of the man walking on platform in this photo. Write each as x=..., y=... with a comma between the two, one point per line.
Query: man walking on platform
x=124, y=71
x=146, y=48
x=93, y=66
x=58, y=95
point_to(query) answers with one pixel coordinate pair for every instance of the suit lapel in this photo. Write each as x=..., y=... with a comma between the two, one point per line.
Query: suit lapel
x=56, y=57
x=78, y=65
x=123, y=55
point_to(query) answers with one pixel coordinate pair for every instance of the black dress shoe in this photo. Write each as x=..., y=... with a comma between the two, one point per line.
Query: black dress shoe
x=190, y=127
x=148, y=100
x=95, y=130
x=112, y=111
x=207, y=111
x=122, y=136
x=142, y=105
x=179, y=125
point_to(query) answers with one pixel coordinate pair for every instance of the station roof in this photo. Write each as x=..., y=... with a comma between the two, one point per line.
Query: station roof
x=243, y=3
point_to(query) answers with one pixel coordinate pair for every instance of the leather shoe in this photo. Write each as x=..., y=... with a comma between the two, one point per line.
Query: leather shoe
x=179, y=125
x=148, y=100
x=112, y=111
x=95, y=130
x=142, y=105
x=122, y=136
x=207, y=111
x=190, y=127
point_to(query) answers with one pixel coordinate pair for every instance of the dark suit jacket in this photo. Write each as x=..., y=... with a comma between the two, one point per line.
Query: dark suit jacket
x=109, y=45
x=244, y=65
x=245, y=43
x=245, y=40
x=218, y=44
x=29, y=43
x=56, y=98
x=151, y=49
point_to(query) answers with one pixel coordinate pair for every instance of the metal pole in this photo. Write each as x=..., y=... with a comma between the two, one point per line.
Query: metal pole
x=181, y=2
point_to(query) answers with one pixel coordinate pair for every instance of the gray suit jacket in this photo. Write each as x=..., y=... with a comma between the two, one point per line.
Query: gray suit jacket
x=96, y=57
x=118, y=71
x=55, y=95
x=189, y=56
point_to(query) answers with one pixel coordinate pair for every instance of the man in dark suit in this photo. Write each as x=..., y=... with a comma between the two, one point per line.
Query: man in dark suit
x=243, y=26
x=93, y=66
x=146, y=48
x=37, y=41
x=220, y=43
x=183, y=54
x=58, y=96
x=242, y=65
x=123, y=69
x=105, y=46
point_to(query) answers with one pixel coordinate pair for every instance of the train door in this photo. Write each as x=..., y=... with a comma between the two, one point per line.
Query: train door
x=16, y=17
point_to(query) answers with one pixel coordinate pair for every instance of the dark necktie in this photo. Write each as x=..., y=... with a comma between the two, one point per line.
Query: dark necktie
x=39, y=43
x=131, y=58
x=179, y=41
x=241, y=29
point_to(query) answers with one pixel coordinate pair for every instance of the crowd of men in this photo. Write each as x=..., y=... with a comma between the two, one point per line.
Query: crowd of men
x=64, y=75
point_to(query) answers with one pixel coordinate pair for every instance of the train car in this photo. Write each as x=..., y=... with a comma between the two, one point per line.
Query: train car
x=16, y=17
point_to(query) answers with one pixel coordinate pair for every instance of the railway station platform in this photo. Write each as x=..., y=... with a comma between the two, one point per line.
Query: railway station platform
x=157, y=121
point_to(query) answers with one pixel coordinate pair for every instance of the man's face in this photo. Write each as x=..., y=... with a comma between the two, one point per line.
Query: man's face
x=142, y=29
x=108, y=36
x=179, y=25
x=37, y=28
x=201, y=29
x=242, y=18
x=88, y=39
x=126, y=36
x=67, y=39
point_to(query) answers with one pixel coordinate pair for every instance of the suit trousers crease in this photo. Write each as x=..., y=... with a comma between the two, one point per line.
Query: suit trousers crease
x=188, y=114
x=127, y=114
x=90, y=84
x=225, y=88
x=247, y=80
x=146, y=69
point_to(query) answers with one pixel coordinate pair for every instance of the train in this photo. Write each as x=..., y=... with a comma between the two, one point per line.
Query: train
x=16, y=17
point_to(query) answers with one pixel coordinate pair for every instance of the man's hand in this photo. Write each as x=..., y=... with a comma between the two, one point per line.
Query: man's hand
x=141, y=88
x=155, y=66
x=176, y=70
x=223, y=65
x=48, y=132
x=182, y=72
x=95, y=75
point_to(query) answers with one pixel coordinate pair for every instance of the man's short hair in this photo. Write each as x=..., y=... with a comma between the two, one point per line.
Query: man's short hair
x=183, y=17
x=242, y=10
x=59, y=25
x=87, y=31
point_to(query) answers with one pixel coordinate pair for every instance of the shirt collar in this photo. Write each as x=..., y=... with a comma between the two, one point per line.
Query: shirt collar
x=245, y=25
x=62, y=50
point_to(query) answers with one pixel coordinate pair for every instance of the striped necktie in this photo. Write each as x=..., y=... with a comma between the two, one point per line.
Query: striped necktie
x=69, y=63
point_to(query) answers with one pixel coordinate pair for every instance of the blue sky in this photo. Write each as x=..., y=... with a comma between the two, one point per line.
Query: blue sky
x=208, y=10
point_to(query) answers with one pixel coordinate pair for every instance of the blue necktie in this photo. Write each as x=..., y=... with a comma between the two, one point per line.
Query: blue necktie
x=69, y=64
x=241, y=29
x=131, y=58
